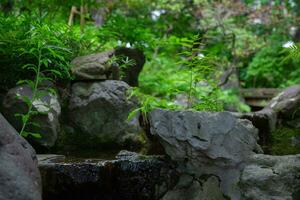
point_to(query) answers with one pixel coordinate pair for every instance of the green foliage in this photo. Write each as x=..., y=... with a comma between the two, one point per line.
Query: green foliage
x=230, y=98
x=272, y=67
x=162, y=77
x=120, y=28
x=122, y=62
x=19, y=35
x=200, y=73
x=282, y=141
x=45, y=52
x=230, y=38
x=189, y=73
x=149, y=102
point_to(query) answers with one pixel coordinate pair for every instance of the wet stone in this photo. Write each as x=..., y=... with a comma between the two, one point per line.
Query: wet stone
x=131, y=177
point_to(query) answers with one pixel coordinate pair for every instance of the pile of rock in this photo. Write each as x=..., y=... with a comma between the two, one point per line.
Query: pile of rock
x=97, y=109
x=217, y=154
x=213, y=156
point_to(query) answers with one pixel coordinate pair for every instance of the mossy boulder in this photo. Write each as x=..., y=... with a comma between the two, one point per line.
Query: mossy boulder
x=285, y=141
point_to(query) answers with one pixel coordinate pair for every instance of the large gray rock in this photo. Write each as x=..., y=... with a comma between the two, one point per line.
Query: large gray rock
x=287, y=103
x=216, y=155
x=108, y=65
x=98, y=113
x=92, y=67
x=19, y=174
x=271, y=177
x=204, y=143
x=47, y=106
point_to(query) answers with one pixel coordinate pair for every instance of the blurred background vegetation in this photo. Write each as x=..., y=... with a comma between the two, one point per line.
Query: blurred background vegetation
x=252, y=37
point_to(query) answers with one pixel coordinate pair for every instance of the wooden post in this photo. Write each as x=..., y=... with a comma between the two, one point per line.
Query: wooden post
x=83, y=10
x=82, y=15
x=72, y=14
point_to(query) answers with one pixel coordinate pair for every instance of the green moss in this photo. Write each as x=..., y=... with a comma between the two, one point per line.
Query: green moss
x=282, y=141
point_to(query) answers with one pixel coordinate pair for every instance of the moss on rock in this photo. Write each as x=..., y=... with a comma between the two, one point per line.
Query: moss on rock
x=285, y=141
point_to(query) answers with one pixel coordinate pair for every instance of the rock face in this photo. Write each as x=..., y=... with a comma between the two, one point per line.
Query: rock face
x=129, y=177
x=264, y=120
x=287, y=103
x=204, y=144
x=92, y=67
x=102, y=66
x=191, y=188
x=19, y=174
x=271, y=177
x=48, y=107
x=217, y=159
x=98, y=113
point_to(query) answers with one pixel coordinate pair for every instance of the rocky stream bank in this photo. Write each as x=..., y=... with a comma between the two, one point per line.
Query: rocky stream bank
x=202, y=155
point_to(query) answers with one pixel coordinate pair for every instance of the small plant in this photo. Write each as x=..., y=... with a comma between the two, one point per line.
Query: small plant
x=44, y=52
x=148, y=103
x=202, y=85
x=35, y=93
x=122, y=62
x=125, y=62
x=19, y=34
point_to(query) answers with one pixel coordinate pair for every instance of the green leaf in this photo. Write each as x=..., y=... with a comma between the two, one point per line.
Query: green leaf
x=35, y=135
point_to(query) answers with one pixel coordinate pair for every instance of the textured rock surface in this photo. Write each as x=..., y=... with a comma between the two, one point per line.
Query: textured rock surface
x=271, y=177
x=287, y=103
x=205, y=143
x=219, y=135
x=215, y=153
x=48, y=107
x=98, y=113
x=92, y=67
x=50, y=158
x=102, y=66
x=190, y=188
x=130, y=177
x=19, y=175
x=264, y=120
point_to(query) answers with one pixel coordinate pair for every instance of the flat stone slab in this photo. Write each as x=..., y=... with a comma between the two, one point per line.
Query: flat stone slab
x=129, y=177
x=50, y=158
